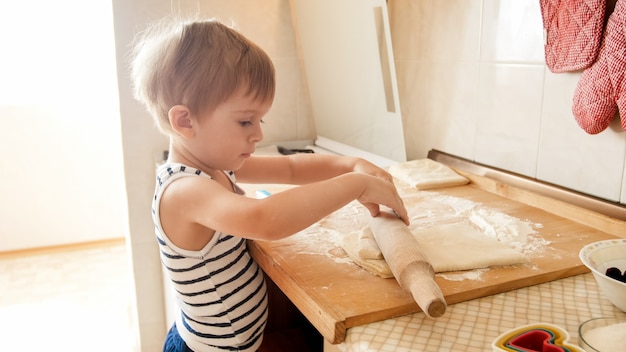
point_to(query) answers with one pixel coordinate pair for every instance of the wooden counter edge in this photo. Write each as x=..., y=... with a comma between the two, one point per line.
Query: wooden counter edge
x=563, y=209
x=327, y=320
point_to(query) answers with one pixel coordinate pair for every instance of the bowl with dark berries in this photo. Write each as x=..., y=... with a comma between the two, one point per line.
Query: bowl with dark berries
x=607, y=262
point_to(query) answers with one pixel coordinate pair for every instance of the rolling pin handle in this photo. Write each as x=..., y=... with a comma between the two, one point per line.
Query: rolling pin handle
x=425, y=292
x=408, y=264
x=436, y=309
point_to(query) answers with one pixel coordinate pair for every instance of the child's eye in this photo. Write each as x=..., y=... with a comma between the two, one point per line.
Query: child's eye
x=249, y=123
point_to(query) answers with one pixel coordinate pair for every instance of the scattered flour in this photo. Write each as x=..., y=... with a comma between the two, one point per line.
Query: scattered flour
x=517, y=233
x=426, y=209
x=507, y=229
x=460, y=205
x=475, y=275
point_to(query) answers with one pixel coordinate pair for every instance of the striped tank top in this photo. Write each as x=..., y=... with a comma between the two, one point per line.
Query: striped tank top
x=220, y=290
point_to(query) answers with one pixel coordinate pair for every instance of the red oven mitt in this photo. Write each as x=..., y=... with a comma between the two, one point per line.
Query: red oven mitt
x=601, y=90
x=573, y=32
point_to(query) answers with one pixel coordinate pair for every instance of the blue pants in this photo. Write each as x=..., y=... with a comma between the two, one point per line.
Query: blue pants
x=174, y=343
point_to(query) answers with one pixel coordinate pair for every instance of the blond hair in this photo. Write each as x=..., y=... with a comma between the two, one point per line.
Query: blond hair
x=199, y=64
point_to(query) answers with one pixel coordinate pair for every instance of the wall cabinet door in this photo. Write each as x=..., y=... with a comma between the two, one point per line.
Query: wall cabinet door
x=348, y=64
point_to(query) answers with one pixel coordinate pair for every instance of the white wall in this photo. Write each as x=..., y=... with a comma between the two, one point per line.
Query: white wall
x=473, y=82
x=62, y=176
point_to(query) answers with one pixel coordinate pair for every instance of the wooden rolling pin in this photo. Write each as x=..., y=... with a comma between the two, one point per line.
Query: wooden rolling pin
x=407, y=263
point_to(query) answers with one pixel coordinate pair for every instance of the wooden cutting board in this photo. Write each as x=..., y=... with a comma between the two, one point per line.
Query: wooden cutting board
x=335, y=294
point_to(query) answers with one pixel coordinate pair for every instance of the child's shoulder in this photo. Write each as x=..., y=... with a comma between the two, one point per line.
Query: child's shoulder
x=167, y=170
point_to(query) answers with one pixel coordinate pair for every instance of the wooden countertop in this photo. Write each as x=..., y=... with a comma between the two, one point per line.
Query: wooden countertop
x=335, y=294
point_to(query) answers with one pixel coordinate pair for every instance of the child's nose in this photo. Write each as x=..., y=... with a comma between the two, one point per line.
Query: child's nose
x=257, y=135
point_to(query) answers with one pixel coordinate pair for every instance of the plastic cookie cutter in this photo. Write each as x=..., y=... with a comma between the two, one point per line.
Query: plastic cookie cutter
x=541, y=337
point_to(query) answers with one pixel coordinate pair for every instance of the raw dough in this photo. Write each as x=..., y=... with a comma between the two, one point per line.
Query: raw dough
x=448, y=247
x=426, y=174
x=461, y=246
x=377, y=267
x=367, y=248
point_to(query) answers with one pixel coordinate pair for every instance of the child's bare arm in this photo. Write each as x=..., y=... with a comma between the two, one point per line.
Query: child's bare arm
x=304, y=168
x=203, y=202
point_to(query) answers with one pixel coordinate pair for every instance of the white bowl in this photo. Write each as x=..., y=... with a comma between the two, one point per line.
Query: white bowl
x=598, y=257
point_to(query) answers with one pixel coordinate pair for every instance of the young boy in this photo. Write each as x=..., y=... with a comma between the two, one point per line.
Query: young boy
x=208, y=88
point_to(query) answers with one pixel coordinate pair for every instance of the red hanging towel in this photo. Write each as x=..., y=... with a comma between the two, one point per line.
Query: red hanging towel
x=601, y=90
x=573, y=32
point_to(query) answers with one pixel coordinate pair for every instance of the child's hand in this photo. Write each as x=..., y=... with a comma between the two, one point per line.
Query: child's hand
x=381, y=192
x=364, y=166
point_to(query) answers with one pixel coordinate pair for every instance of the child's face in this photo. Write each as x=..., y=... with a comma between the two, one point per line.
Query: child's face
x=226, y=137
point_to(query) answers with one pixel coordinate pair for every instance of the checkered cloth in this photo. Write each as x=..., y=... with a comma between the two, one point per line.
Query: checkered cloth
x=573, y=32
x=601, y=90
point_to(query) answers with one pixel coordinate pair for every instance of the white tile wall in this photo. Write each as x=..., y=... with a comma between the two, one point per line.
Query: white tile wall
x=623, y=196
x=473, y=82
x=512, y=31
x=568, y=156
x=507, y=130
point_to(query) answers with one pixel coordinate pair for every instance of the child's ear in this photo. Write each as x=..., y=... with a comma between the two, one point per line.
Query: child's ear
x=180, y=120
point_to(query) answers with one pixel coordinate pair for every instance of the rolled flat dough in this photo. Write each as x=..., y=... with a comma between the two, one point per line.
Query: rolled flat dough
x=448, y=247
x=426, y=174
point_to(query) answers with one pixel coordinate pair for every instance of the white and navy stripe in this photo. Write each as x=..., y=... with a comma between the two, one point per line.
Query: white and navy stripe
x=220, y=289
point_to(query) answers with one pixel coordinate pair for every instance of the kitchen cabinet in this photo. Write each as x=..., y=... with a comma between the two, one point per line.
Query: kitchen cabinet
x=349, y=67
